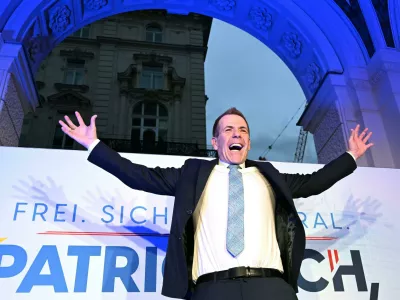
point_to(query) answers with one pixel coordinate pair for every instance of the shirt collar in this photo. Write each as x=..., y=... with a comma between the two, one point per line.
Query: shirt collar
x=225, y=164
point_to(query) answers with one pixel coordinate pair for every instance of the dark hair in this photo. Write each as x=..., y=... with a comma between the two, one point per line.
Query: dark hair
x=231, y=111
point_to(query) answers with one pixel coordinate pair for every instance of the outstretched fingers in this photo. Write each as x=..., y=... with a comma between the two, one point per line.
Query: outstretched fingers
x=93, y=121
x=64, y=126
x=367, y=138
x=69, y=122
x=80, y=120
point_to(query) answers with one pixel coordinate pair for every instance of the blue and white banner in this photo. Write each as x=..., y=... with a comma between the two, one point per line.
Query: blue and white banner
x=69, y=230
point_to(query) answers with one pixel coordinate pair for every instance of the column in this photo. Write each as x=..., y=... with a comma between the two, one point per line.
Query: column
x=105, y=71
x=177, y=119
x=384, y=73
x=122, y=116
x=18, y=95
x=197, y=110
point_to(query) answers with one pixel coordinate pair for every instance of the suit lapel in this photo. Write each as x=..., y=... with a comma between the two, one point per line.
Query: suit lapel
x=206, y=168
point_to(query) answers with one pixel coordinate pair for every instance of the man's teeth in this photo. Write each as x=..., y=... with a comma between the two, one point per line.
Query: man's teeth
x=235, y=147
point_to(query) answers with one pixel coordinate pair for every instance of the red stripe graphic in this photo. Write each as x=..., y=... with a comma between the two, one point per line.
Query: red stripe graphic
x=330, y=256
x=320, y=238
x=101, y=233
x=330, y=259
x=112, y=233
x=336, y=256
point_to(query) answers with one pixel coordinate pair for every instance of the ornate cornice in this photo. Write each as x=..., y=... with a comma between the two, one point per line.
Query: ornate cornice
x=152, y=58
x=77, y=53
x=69, y=100
x=125, y=42
x=71, y=87
x=175, y=78
x=152, y=95
x=175, y=82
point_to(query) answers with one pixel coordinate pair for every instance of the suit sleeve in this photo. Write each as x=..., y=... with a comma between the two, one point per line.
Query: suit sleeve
x=302, y=186
x=161, y=181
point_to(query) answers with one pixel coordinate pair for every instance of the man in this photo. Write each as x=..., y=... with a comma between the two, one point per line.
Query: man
x=235, y=232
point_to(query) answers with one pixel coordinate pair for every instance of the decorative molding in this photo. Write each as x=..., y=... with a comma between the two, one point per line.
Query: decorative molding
x=95, y=4
x=292, y=44
x=141, y=94
x=77, y=53
x=69, y=101
x=59, y=19
x=34, y=47
x=81, y=88
x=127, y=78
x=132, y=43
x=313, y=76
x=261, y=18
x=36, y=43
x=224, y=5
x=152, y=58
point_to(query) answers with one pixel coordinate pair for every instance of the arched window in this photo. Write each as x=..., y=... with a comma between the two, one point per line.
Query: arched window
x=149, y=121
x=154, y=33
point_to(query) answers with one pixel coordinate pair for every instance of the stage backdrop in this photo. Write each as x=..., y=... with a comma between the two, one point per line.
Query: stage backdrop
x=69, y=230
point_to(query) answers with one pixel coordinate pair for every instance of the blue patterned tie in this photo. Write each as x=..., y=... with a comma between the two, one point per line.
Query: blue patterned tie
x=235, y=231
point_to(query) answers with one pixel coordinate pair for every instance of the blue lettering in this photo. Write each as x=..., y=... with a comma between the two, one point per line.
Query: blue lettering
x=82, y=269
x=304, y=219
x=333, y=223
x=111, y=271
x=107, y=213
x=121, y=216
x=133, y=220
x=20, y=258
x=59, y=213
x=56, y=277
x=74, y=213
x=164, y=215
x=35, y=212
x=151, y=270
x=319, y=223
x=17, y=209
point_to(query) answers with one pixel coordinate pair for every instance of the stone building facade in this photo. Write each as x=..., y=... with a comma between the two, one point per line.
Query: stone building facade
x=141, y=72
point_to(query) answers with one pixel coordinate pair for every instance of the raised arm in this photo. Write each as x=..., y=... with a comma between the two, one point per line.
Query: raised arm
x=161, y=181
x=302, y=186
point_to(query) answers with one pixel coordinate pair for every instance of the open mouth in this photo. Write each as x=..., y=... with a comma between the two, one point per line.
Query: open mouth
x=235, y=147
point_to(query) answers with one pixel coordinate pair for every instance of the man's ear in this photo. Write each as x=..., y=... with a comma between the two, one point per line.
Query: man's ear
x=249, y=144
x=214, y=143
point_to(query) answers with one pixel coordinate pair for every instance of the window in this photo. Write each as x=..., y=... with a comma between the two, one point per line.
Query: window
x=153, y=34
x=149, y=120
x=84, y=32
x=152, y=78
x=74, y=74
x=61, y=140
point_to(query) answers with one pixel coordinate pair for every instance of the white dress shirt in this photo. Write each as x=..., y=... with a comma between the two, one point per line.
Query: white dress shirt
x=210, y=219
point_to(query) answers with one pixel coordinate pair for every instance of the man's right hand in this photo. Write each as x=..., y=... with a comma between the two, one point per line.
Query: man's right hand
x=84, y=135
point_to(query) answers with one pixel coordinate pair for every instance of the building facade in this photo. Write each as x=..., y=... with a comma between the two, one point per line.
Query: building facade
x=141, y=72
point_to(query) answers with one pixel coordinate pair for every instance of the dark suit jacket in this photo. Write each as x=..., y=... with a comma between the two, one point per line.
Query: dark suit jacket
x=186, y=185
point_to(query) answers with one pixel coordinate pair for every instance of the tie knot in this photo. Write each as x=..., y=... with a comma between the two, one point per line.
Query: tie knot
x=234, y=167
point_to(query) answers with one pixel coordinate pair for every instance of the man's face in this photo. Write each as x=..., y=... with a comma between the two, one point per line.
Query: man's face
x=233, y=141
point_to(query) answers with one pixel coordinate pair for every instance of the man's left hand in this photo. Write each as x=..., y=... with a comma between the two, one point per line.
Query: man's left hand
x=358, y=142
